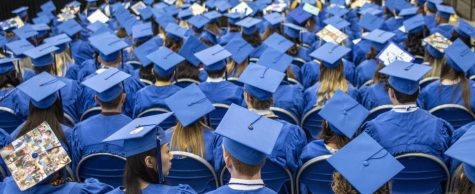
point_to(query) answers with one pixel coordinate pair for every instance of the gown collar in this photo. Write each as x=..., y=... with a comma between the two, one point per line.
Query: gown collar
x=405, y=108
x=214, y=80
x=246, y=185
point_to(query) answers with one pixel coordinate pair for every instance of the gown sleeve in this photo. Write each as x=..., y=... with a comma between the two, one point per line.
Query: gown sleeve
x=182, y=189
x=93, y=186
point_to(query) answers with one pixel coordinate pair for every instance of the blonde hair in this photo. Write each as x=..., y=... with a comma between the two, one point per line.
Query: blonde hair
x=341, y=185
x=62, y=60
x=331, y=79
x=189, y=138
x=462, y=184
x=232, y=66
x=436, y=65
x=26, y=63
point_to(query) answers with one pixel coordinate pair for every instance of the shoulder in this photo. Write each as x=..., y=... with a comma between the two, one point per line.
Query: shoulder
x=179, y=189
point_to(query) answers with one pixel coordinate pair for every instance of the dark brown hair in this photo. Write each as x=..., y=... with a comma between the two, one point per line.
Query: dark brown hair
x=187, y=70
x=462, y=185
x=254, y=39
x=111, y=104
x=329, y=136
x=260, y=104
x=404, y=98
x=136, y=168
x=10, y=78
x=340, y=185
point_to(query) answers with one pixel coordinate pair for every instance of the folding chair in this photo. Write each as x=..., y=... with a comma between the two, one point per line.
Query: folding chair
x=285, y=115
x=217, y=114
x=316, y=175
x=457, y=115
x=166, y=124
x=376, y=111
x=68, y=120
x=184, y=82
x=312, y=123
x=10, y=121
x=90, y=112
x=107, y=168
x=426, y=81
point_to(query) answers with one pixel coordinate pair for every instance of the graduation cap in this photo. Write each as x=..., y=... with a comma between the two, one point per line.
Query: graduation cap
x=330, y=54
x=445, y=11
x=292, y=30
x=108, y=45
x=191, y=46
x=462, y=150
x=70, y=27
x=344, y=114
x=146, y=13
x=185, y=14
x=234, y=17
x=261, y=81
x=41, y=20
x=165, y=61
x=278, y=42
x=307, y=38
x=337, y=11
x=243, y=8
x=223, y=6
x=409, y=12
x=371, y=22
x=212, y=15
x=365, y=164
x=145, y=49
x=404, y=76
x=96, y=26
x=42, y=89
x=6, y=64
x=432, y=4
x=61, y=41
x=189, y=104
x=392, y=52
x=25, y=32
x=213, y=58
x=414, y=24
x=239, y=48
x=21, y=11
x=379, y=38
x=459, y=56
x=41, y=29
x=248, y=137
x=48, y=6
x=371, y=10
x=436, y=44
x=198, y=21
x=98, y=15
x=311, y=9
x=337, y=22
x=299, y=15
x=274, y=19
x=41, y=55
x=465, y=29
x=274, y=59
x=107, y=84
x=249, y=25
x=176, y=32
x=18, y=47
x=142, y=31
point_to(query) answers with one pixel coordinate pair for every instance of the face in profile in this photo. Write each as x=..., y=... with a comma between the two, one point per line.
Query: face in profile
x=166, y=159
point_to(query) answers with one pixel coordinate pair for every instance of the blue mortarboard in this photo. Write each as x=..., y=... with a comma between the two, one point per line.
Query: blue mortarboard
x=278, y=42
x=95, y=26
x=146, y=13
x=223, y=6
x=338, y=2
x=401, y=4
x=307, y=38
x=344, y=114
x=436, y=45
x=379, y=38
x=234, y=17
x=414, y=24
x=108, y=45
x=445, y=11
x=371, y=10
x=249, y=25
x=61, y=41
x=18, y=47
x=432, y=4
x=145, y=49
x=128, y=23
x=260, y=81
x=48, y=6
x=274, y=19
x=6, y=64
x=408, y=12
x=213, y=58
x=459, y=56
x=171, y=10
x=141, y=31
x=189, y=104
x=292, y=30
x=463, y=150
x=40, y=28
x=3, y=41
x=337, y=22
x=46, y=14
x=73, y=4
x=239, y=48
x=41, y=55
x=465, y=29
x=191, y=46
x=164, y=19
x=25, y=32
x=198, y=21
x=21, y=11
x=70, y=27
x=405, y=76
x=365, y=164
x=248, y=137
x=212, y=15
x=185, y=14
x=91, y=1
x=337, y=11
x=274, y=59
x=103, y=29
x=107, y=84
x=41, y=20
x=164, y=61
x=176, y=32
x=299, y=15
x=330, y=54
x=371, y=22
x=42, y=89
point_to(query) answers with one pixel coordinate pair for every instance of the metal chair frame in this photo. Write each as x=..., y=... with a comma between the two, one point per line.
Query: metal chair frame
x=152, y=110
x=199, y=159
x=89, y=111
x=289, y=114
x=94, y=155
x=305, y=166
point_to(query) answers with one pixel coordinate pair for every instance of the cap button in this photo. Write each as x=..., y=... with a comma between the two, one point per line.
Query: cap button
x=365, y=163
x=34, y=155
x=345, y=112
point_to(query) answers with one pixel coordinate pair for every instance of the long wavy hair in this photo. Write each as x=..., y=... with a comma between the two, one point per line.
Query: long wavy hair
x=331, y=80
x=449, y=73
x=135, y=169
x=189, y=138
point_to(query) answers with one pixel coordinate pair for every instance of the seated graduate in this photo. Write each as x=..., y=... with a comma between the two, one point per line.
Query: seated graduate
x=191, y=134
x=331, y=76
x=464, y=31
x=239, y=60
x=148, y=158
x=10, y=97
x=462, y=156
x=141, y=52
x=5, y=139
x=428, y=134
x=175, y=36
x=216, y=88
x=88, y=134
x=62, y=57
x=442, y=20
x=233, y=30
x=434, y=57
x=453, y=87
x=247, y=139
x=191, y=68
x=250, y=33
x=164, y=61
x=430, y=9
x=141, y=33
x=272, y=23
x=283, y=45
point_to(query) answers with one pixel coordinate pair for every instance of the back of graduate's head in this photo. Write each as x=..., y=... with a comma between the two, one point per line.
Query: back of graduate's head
x=256, y=103
x=462, y=184
x=253, y=38
x=114, y=104
x=189, y=138
x=397, y=97
x=216, y=73
x=110, y=61
x=241, y=168
x=10, y=78
x=331, y=79
x=341, y=185
x=187, y=70
x=329, y=136
x=163, y=77
x=140, y=167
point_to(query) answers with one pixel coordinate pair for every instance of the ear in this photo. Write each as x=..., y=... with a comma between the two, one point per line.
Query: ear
x=227, y=159
x=149, y=162
x=97, y=100
x=123, y=96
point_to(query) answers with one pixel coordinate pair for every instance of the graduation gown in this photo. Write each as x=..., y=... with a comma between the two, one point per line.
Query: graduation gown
x=310, y=73
x=365, y=72
x=228, y=190
x=223, y=92
x=159, y=189
x=289, y=97
x=392, y=24
x=152, y=97
x=15, y=99
x=374, y=96
x=430, y=21
x=436, y=94
x=310, y=96
x=223, y=40
x=90, y=185
x=4, y=140
x=360, y=50
x=312, y=150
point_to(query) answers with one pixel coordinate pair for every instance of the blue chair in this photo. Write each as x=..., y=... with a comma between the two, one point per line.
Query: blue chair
x=10, y=121
x=105, y=167
x=90, y=112
x=235, y=81
x=193, y=170
x=312, y=123
x=298, y=61
x=426, y=81
x=472, y=77
x=68, y=120
x=184, y=82
x=135, y=64
x=166, y=124
x=418, y=59
x=253, y=60
x=285, y=115
x=274, y=176
x=376, y=111
x=423, y=173
x=367, y=83
x=316, y=175
x=217, y=114
x=456, y=115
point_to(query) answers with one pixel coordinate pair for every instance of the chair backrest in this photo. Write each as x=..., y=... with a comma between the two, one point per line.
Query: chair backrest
x=166, y=124
x=135, y=64
x=193, y=170
x=253, y=60
x=418, y=59
x=274, y=176
x=68, y=120
x=426, y=81
x=285, y=115
x=316, y=175
x=10, y=121
x=312, y=123
x=184, y=82
x=235, y=81
x=368, y=83
x=472, y=77
x=423, y=173
x=298, y=61
x=294, y=82
x=217, y=114
x=105, y=167
x=146, y=82
x=90, y=112
x=455, y=114
x=376, y=111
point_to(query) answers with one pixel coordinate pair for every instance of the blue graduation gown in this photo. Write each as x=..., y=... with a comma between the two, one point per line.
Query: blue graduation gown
x=289, y=97
x=310, y=96
x=258, y=51
x=444, y=29
x=365, y=71
x=153, y=97
x=227, y=37
x=70, y=96
x=5, y=139
x=430, y=21
x=227, y=190
x=223, y=92
x=310, y=73
x=159, y=189
x=81, y=51
x=90, y=185
x=416, y=131
x=313, y=149
x=374, y=96
x=360, y=50
x=88, y=135
x=14, y=99
x=436, y=94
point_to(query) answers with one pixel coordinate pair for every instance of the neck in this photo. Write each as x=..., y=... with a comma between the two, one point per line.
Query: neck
x=238, y=175
x=111, y=111
x=162, y=83
x=143, y=184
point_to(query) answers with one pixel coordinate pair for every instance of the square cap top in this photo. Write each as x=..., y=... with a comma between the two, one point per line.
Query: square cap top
x=465, y=29
x=212, y=55
x=407, y=12
x=405, y=76
x=278, y=42
x=261, y=77
x=330, y=54
x=165, y=58
x=106, y=80
x=371, y=22
x=299, y=15
x=198, y=21
x=107, y=43
x=142, y=30
x=145, y=49
x=414, y=24
x=191, y=46
x=249, y=24
x=41, y=86
x=239, y=48
x=18, y=47
x=459, y=56
x=463, y=151
x=274, y=18
x=379, y=36
x=48, y=6
x=445, y=11
x=337, y=22
x=393, y=52
x=41, y=50
x=58, y=39
x=70, y=27
x=274, y=59
x=337, y=11
x=25, y=32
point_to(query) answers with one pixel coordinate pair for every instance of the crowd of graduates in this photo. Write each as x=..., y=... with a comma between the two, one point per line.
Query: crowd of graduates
x=100, y=76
